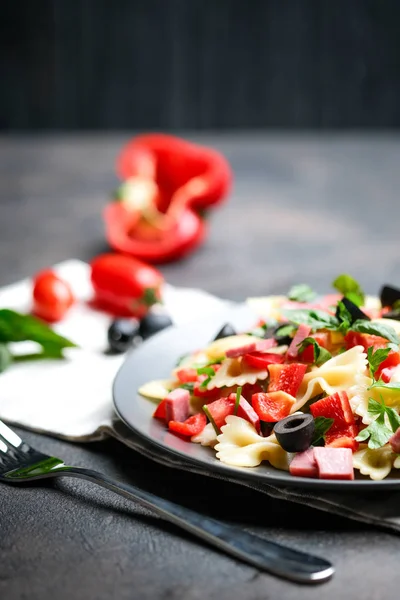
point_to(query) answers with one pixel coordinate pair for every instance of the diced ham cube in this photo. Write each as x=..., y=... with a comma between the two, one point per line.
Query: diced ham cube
x=334, y=463
x=301, y=334
x=260, y=346
x=177, y=405
x=246, y=411
x=394, y=442
x=304, y=464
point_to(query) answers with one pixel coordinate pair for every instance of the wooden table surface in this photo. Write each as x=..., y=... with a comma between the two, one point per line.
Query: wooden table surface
x=304, y=208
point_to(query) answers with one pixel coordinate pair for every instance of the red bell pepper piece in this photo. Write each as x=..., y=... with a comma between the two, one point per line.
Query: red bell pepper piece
x=246, y=411
x=249, y=389
x=220, y=409
x=353, y=338
x=192, y=426
x=203, y=392
x=160, y=412
x=187, y=375
x=261, y=360
x=286, y=378
x=344, y=429
x=171, y=182
x=391, y=361
x=272, y=407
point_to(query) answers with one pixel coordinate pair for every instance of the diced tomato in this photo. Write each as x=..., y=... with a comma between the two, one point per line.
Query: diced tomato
x=249, y=389
x=391, y=361
x=187, y=375
x=192, y=426
x=335, y=407
x=160, y=412
x=220, y=409
x=272, y=407
x=286, y=378
x=302, y=333
x=261, y=360
x=366, y=340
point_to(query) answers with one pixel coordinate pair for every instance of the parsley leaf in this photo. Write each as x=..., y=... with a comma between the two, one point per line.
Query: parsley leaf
x=388, y=386
x=209, y=371
x=344, y=316
x=349, y=287
x=321, y=355
x=321, y=426
x=376, y=358
x=187, y=386
x=378, y=432
x=237, y=401
x=379, y=329
x=301, y=293
x=317, y=319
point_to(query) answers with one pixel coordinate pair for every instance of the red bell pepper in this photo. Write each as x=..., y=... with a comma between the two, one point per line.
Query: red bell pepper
x=160, y=412
x=387, y=366
x=261, y=360
x=353, y=338
x=272, y=407
x=192, y=426
x=286, y=378
x=169, y=183
x=344, y=428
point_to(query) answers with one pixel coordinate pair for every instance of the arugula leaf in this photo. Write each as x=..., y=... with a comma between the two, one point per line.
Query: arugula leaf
x=5, y=357
x=349, y=287
x=317, y=319
x=321, y=355
x=321, y=426
x=301, y=293
x=379, y=329
x=15, y=327
x=376, y=358
x=378, y=432
x=209, y=371
x=238, y=394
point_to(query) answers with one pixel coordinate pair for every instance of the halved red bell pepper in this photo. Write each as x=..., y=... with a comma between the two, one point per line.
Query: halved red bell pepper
x=344, y=428
x=192, y=426
x=169, y=183
x=272, y=407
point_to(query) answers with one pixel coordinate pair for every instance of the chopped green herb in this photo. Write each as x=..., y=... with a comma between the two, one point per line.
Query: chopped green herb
x=376, y=358
x=321, y=355
x=286, y=330
x=395, y=386
x=301, y=293
x=317, y=319
x=349, y=287
x=209, y=371
x=379, y=329
x=5, y=357
x=211, y=419
x=321, y=426
x=187, y=386
x=378, y=433
x=237, y=401
x=345, y=318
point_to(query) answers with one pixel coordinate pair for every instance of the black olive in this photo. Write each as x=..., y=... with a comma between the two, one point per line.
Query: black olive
x=153, y=323
x=226, y=331
x=121, y=334
x=356, y=313
x=295, y=433
x=389, y=295
x=282, y=339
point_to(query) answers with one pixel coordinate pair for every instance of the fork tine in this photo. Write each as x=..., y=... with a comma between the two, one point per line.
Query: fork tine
x=9, y=436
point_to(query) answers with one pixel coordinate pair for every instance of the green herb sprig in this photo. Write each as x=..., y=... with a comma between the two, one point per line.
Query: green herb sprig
x=378, y=433
x=349, y=287
x=321, y=355
x=321, y=427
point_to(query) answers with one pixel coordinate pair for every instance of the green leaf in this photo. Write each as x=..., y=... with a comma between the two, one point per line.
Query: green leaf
x=321, y=355
x=345, y=317
x=211, y=419
x=317, y=319
x=379, y=329
x=187, y=386
x=376, y=358
x=394, y=418
x=349, y=287
x=5, y=357
x=301, y=293
x=321, y=426
x=378, y=432
x=209, y=371
x=286, y=330
x=15, y=327
x=395, y=386
x=237, y=401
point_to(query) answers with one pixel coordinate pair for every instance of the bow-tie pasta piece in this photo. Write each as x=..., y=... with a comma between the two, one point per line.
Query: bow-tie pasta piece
x=207, y=437
x=376, y=463
x=240, y=445
x=234, y=372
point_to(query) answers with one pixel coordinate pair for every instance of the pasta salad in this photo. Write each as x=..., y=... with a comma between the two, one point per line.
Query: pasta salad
x=313, y=388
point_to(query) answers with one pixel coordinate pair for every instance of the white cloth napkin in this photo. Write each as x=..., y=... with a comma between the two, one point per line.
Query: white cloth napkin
x=71, y=399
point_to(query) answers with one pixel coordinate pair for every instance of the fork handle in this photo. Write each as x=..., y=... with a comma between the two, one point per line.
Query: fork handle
x=263, y=554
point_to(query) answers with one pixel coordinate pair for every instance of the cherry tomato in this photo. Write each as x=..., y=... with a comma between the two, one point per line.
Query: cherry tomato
x=52, y=296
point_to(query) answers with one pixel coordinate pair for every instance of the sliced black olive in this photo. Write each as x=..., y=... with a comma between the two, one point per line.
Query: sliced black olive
x=295, y=433
x=153, y=323
x=356, y=313
x=121, y=334
x=389, y=295
x=226, y=331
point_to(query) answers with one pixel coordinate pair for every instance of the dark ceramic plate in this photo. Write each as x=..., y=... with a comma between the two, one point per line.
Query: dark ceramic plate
x=155, y=359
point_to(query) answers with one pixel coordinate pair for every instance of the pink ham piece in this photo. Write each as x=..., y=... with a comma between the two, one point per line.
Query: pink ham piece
x=334, y=463
x=394, y=442
x=246, y=411
x=177, y=405
x=301, y=334
x=261, y=346
x=304, y=464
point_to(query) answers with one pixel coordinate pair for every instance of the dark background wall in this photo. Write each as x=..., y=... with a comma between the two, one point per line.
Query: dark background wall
x=197, y=64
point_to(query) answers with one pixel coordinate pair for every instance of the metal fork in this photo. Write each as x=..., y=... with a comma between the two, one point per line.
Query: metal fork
x=20, y=463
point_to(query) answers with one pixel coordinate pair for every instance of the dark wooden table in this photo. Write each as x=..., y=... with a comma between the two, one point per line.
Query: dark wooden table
x=304, y=208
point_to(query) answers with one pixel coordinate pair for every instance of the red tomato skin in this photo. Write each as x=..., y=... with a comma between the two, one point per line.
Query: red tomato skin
x=52, y=296
x=124, y=285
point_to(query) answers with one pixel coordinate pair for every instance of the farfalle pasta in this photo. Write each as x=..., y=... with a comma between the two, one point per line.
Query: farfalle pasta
x=313, y=388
